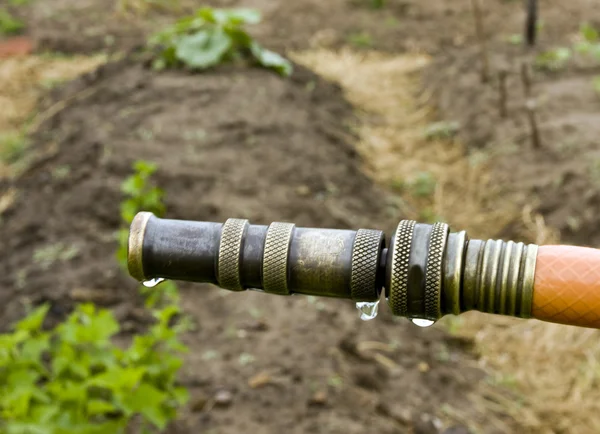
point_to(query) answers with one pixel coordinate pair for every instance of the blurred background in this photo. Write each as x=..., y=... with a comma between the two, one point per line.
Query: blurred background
x=391, y=109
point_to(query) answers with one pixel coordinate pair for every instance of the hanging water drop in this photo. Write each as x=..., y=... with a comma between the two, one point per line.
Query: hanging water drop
x=152, y=283
x=420, y=322
x=368, y=310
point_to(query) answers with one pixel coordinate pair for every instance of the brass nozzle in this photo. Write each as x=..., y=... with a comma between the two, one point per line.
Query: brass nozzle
x=427, y=272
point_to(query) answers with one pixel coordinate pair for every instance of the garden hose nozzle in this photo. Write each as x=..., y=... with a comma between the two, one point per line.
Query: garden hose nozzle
x=427, y=271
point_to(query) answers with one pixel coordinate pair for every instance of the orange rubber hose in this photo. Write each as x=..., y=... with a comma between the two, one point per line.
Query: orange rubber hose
x=567, y=286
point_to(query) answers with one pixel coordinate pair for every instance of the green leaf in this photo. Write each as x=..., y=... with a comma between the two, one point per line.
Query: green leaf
x=96, y=407
x=45, y=413
x=181, y=395
x=147, y=400
x=144, y=167
x=272, y=60
x=596, y=83
x=33, y=322
x=33, y=348
x=203, y=49
x=8, y=24
x=589, y=33
x=237, y=16
x=119, y=378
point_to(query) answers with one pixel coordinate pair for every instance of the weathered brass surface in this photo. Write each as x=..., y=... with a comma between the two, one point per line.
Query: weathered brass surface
x=135, y=263
x=434, y=274
x=230, y=254
x=428, y=271
x=275, y=258
x=453, y=272
x=366, y=252
x=398, y=280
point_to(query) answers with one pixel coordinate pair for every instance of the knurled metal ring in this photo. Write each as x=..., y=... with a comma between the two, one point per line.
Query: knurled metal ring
x=433, y=273
x=365, y=263
x=230, y=254
x=398, y=294
x=275, y=258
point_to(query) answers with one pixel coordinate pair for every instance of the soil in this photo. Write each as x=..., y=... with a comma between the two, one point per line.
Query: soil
x=561, y=179
x=81, y=26
x=232, y=142
x=247, y=143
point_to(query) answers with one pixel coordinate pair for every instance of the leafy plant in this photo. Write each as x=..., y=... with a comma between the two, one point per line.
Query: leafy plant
x=140, y=195
x=361, y=39
x=12, y=147
x=443, y=130
x=596, y=83
x=423, y=185
x=143, y=6
x=9, y=25
x=590, y=41
x=553, y=60
x=377, y=4
x=59, y=252
x=73, y=379
x=211, y=37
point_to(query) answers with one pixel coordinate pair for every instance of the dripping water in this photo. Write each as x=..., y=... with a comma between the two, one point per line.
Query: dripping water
x=368, y=310
x=421, y=322
x=153, y=282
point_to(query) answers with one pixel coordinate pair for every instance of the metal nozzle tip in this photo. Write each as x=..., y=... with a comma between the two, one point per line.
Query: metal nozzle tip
x=135, y=245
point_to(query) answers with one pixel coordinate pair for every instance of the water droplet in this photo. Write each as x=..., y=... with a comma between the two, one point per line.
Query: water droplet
x=420, y=322
x=152, y=283
x=368, y=310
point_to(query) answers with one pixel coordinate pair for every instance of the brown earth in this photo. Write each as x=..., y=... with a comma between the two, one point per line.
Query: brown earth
x=561, y=179
x=233, y=142
x=74, y=26
x=244, y=142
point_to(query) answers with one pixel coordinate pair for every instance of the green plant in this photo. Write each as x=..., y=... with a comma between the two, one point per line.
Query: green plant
x=12, y=147
x=596, y=84
x=589, y=33
x=553, y=60
x=73, y=379
x=361, y=39
x=443, y=130
x=142, y=7
x=9, y=25
x=211, y=37
x=423, y=185
x=377, y=4
x=59, y=252
x=140, y=195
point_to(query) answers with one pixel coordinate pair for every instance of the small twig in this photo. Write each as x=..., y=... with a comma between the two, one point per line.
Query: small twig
x=60, y=106
x=526, y=79
x=531, y=22
x=531, y=105
x=503, y=97
x=480, y=33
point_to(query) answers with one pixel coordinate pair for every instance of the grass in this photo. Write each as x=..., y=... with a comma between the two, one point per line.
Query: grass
x=9, y=25
x=361, y=40
x=21, y=84
x=46, y=256
x=143, y=7
x=12, y=147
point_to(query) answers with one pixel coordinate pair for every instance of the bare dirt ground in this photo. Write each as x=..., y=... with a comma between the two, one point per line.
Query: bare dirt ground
x=244, y=142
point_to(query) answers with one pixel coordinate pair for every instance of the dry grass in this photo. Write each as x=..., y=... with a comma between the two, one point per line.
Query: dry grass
x=395, y=147
x=542, y=375
x=24, y=79
x=143, y=7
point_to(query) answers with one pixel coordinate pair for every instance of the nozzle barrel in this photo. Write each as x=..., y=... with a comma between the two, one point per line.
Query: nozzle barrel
x=427, y=271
